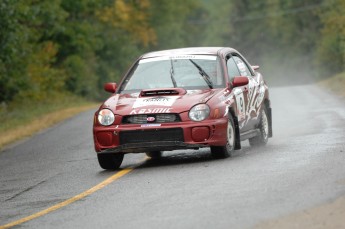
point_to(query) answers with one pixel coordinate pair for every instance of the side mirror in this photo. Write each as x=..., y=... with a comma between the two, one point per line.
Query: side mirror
x=110, y=87
x=240, y=81
x=255, y=67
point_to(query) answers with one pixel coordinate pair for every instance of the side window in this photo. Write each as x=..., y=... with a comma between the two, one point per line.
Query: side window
x=242, y=66
x=232, y=68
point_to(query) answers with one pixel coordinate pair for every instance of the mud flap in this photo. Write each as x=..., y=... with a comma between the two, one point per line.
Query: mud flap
x=237, y=134
x=269, y=114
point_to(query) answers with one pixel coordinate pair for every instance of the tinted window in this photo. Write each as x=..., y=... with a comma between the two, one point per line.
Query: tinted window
x=232, y=68
x=242, y=66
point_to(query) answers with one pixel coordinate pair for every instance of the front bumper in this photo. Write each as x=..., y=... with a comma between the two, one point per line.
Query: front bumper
x=151, y=146
x=136, y=138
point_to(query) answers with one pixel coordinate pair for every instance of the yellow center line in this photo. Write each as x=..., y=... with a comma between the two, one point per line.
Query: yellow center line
x=71, y=200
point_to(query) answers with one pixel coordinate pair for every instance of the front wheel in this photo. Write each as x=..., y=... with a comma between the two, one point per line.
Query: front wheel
x=227, y=150
x=110, y=161
x=264, y=127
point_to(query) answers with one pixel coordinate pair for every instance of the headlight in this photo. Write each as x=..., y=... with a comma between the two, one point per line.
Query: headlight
x=199, y=112
x=106, y=117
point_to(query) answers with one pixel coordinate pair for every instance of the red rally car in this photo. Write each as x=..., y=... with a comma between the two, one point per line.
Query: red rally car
x=185, y=98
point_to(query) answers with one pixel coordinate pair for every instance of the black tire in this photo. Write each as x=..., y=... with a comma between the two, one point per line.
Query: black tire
x=264, y=127
x=154, y=154
x=110, y=161
x=220, y=152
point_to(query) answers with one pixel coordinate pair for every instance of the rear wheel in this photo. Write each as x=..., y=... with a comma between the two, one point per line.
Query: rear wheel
x=262, y=138
x=110, y=161
x=227, y=150
x=154, y=154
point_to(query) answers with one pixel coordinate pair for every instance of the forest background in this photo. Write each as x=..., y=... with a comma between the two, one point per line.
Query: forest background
x=59, y=53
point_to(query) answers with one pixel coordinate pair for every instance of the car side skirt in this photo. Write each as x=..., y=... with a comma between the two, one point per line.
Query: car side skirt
x=250, y=134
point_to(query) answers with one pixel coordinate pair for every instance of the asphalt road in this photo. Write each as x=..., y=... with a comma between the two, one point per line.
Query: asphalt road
x=301, y=167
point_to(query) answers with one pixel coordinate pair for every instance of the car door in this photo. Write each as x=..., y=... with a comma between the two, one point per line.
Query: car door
x=250, y=92
x=240, y=93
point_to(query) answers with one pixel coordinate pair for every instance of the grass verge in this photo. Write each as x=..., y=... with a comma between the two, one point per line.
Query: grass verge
x=18, y=121
x=335, y=84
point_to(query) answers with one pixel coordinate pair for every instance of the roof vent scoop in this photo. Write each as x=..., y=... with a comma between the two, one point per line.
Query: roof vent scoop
x=162, y=92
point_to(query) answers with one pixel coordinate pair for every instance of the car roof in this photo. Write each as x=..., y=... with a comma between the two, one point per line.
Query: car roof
x=189, y=51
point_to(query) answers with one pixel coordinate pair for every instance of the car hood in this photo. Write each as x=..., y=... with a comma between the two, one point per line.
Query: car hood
x=143, y=103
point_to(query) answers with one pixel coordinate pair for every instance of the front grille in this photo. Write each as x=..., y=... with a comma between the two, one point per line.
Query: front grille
x=150, y=118
x=156, y=135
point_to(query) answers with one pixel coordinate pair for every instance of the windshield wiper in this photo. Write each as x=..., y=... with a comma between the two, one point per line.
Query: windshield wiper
x=172, y=73
x=203, y=74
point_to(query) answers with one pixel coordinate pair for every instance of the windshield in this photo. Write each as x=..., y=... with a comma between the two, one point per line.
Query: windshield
x=189, y=72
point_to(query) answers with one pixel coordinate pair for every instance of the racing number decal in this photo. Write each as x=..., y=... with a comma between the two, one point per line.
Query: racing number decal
x=247, y=103
x=240, y=104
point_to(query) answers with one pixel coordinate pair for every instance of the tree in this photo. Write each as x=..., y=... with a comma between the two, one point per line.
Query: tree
x=331, y=46
x=13, y=51
x=131, y=17
x=171, y=20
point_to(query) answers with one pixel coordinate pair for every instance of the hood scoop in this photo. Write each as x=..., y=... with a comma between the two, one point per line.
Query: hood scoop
x=162, y=92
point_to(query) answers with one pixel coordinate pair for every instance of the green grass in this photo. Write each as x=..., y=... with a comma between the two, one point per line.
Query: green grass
x=22, y=119
x=335, y=84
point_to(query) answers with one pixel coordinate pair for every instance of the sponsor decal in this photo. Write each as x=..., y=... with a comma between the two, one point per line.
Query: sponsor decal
x=156, y=101
x=150, y=125
x=151, y=110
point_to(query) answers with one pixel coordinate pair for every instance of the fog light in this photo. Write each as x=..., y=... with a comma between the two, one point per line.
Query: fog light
x=105, y=138
x=200, y=134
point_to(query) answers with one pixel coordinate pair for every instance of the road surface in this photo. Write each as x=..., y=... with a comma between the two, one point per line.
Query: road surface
x=301, y=168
